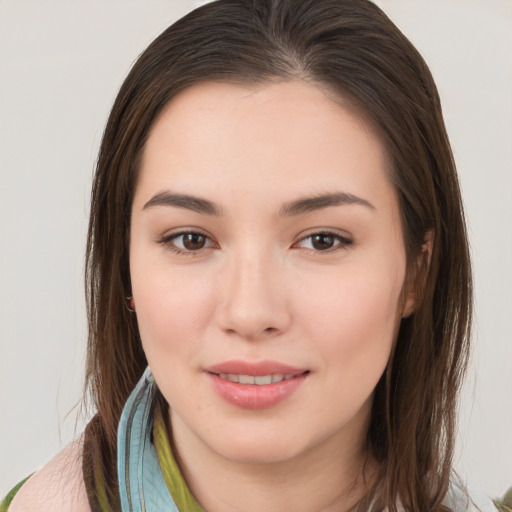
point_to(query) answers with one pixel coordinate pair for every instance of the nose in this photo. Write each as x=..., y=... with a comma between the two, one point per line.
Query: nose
x=253, y=300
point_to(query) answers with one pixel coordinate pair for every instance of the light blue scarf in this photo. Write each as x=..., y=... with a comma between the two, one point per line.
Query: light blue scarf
x=141, y=484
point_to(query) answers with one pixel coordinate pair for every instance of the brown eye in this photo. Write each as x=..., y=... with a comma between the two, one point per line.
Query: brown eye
x=193, y=241
x=186, y=242
x=325, y=242
x=322, y=242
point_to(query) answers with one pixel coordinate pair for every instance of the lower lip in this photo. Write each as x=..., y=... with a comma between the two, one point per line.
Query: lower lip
x=252, y=396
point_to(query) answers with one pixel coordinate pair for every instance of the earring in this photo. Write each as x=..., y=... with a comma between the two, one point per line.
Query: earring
x=130, y=305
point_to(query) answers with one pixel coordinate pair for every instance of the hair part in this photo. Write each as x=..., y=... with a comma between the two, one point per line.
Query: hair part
x=351, y=48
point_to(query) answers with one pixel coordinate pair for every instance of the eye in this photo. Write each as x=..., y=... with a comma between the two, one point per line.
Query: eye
x=186, y=242
x=324, y=241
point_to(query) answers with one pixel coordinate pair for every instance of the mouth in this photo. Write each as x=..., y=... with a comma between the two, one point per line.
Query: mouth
x=255, y=385
x=257, y=380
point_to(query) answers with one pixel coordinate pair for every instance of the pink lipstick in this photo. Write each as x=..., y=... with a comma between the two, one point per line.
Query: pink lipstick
x=255, y=385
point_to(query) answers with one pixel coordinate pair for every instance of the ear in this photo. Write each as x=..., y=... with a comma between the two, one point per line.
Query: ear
x=415, y=283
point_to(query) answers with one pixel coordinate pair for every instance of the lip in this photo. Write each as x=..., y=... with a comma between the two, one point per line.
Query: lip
x=254, y=369
x=252, y=396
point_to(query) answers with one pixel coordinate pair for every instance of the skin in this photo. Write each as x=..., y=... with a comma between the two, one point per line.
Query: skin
x=58, y=486
x=261, y=288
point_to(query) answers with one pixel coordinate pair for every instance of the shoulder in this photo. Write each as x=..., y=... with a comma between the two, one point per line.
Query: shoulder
x=58, y=486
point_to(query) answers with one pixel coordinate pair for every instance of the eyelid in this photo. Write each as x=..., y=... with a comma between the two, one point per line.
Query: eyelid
x=166, y=240
x=344, y=240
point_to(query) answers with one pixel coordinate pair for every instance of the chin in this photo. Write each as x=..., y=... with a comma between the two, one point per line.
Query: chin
x=258, y=448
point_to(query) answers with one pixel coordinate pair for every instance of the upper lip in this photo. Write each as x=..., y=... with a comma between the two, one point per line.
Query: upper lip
x=254, y=369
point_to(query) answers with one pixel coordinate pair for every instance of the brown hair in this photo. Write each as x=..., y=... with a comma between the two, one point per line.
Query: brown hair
x=354, y=49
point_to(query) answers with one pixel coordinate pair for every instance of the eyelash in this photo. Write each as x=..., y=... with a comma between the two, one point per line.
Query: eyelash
x=343, y=241
x=167, y=241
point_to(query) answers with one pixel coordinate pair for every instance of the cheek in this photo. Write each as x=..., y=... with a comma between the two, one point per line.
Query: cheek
x=173, y=307
x=353, y=317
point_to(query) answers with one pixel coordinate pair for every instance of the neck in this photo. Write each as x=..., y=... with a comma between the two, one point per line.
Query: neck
x=330, y=476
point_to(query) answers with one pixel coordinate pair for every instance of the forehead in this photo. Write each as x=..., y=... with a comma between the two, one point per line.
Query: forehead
x=279, y=139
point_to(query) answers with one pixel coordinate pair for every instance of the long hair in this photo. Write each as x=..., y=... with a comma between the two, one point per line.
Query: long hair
x=351, y=47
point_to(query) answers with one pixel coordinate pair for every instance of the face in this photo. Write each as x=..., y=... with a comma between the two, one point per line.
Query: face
x=267, y=267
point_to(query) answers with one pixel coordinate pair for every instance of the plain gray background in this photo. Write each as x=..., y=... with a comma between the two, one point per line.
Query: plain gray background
x=61, y=64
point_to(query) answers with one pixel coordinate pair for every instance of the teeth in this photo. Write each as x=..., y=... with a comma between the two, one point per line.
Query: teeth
x=260, y=380
x=264, y=379
x=246, y=379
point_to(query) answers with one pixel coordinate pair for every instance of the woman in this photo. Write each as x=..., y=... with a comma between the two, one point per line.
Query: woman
x=276, y=257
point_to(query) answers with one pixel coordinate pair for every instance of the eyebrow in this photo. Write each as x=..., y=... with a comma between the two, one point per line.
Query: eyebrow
x=188, y=202
x=310, y=204
x=297, y=207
